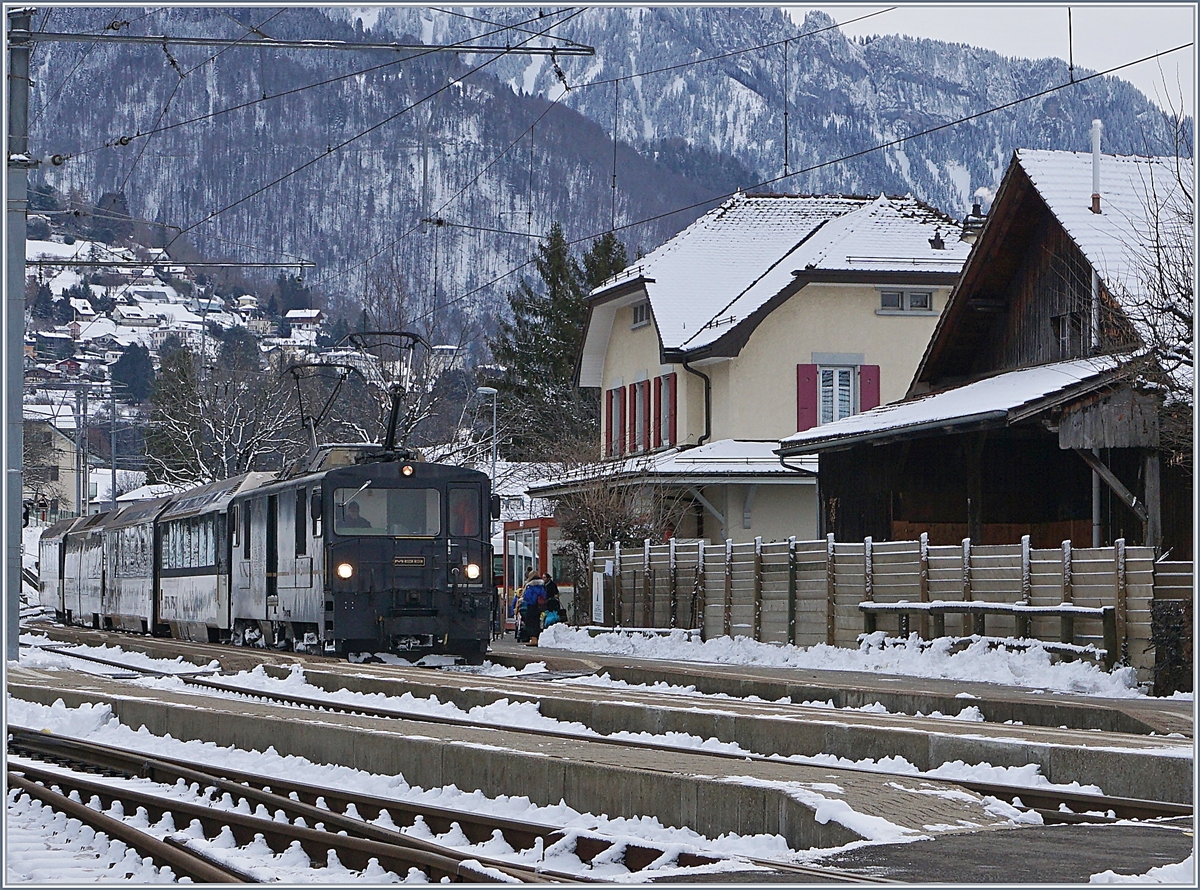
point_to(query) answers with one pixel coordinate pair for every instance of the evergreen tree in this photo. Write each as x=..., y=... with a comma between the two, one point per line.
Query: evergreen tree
x=63, y=312
x=134, y=372
x=43, y=302
x=539, y=346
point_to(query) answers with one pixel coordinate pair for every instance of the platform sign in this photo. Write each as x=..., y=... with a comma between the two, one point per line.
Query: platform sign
x=597, y=597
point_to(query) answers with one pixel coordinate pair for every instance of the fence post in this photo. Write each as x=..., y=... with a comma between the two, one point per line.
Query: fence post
x=700, y=590
x=869, y=621
x=617, y=584
x=830, y=593
x=591, y=575
x=758, y=588
x=1026, y=588
x=791, y=591
x=976, y=622
x=727, y=626
x=647, y=587
x=1109, y=620
x=1122, y=603
x=1067, y=625
x=923, y=620
x=673, y=581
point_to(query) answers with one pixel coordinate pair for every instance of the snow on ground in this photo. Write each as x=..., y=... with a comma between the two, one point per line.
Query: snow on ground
x=978, y=663
x=97, y=723
x=42, y=839
x=1178, y=873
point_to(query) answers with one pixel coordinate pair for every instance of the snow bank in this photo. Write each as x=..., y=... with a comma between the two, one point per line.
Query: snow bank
x=1178, y=873
x=1031, y=669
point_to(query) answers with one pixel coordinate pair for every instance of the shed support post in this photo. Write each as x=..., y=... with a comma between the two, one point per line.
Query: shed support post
x=700, y=595
x=868, y=584
x=1153, y=491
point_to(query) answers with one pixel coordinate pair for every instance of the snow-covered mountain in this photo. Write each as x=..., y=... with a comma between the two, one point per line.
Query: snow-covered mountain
x=344, y=172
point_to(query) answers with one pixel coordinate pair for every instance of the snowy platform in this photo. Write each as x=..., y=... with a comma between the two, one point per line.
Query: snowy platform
x=809, y=806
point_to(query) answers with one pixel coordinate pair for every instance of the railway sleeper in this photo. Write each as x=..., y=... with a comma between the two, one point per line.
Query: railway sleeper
x=397, y=854
x=286, y=795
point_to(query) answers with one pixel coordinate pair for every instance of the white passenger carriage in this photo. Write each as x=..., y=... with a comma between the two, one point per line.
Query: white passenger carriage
x=194, y=545
x=130, y=601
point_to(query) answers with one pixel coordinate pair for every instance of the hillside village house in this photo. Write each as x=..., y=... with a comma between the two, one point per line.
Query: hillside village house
x=1037, y=408
x=768, y=315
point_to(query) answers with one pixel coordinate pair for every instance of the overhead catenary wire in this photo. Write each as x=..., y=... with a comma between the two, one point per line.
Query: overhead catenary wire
x=842, y=159
x=125, y=139
x=595, y=83
x=332, y=149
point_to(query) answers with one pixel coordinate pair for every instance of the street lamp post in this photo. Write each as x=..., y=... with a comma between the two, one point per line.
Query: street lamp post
x=491, y=391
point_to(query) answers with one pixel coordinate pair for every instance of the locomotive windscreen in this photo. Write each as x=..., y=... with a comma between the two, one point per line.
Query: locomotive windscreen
x=396, y=512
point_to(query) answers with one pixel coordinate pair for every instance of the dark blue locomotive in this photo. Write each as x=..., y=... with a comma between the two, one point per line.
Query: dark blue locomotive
x=357, y=550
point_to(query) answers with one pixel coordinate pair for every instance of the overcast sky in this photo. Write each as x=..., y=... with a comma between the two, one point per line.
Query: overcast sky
x=1105, y=35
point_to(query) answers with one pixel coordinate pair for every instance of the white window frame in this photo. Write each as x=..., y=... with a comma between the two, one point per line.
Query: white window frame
x=832, y=374
x=906, y=301
x=641, y=315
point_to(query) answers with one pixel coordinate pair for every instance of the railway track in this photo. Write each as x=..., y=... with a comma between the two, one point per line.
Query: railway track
x=1055, y=805
x=354, y=815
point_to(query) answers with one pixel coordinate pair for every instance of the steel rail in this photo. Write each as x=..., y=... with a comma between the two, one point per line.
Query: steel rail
x=1125, y=808
x=137, y=669
x=477, y=828
x=398, y=853
x=184, y=862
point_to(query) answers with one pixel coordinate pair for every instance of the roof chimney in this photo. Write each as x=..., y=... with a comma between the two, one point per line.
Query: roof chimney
x=1097, y=126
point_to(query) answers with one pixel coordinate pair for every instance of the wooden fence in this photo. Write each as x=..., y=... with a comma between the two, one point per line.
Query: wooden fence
x=809, y=592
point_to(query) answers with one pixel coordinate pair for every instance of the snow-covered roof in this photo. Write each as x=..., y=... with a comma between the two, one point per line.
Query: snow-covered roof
x=83, y=307
x=720, y=269
x=726, y=460
x=994, y=398
x=148, y=493
x=303, y=315
x=1115, y=241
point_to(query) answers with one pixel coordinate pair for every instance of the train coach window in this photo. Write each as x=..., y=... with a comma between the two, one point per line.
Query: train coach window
x=301, y=522
x=246, y=530
x=398, y=512
x=464, y=512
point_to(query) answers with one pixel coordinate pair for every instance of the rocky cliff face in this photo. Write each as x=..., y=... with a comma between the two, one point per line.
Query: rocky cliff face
x=344, y=172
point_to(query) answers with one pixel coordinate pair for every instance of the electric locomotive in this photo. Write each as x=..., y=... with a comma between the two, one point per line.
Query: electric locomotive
x=366, y=551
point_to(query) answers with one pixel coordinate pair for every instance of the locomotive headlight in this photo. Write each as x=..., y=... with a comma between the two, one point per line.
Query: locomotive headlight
x=472, y=571
x=345, y=571
x=406, y=470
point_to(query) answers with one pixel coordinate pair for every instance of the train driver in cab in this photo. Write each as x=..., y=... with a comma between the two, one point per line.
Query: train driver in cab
x=354, y=519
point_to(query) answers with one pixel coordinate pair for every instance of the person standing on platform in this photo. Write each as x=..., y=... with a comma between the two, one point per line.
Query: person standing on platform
x=533, y=597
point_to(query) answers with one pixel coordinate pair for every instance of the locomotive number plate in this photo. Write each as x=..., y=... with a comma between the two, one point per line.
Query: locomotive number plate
x=408, y=560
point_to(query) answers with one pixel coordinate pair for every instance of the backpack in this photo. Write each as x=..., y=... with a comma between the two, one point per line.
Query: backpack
x=553, y=616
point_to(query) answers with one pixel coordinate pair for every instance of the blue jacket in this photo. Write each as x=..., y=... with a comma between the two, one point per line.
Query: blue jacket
x=532, y=593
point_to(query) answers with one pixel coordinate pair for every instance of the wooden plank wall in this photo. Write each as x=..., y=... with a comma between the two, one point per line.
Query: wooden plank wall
x=794, y=592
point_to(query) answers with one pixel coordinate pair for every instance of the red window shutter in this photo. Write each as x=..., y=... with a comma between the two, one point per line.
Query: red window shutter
x=608, y=422
x=868, y=387
x=806, y=397
x=656, y=414
x=631, y=419
x=645, y=386
x=672, y=408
